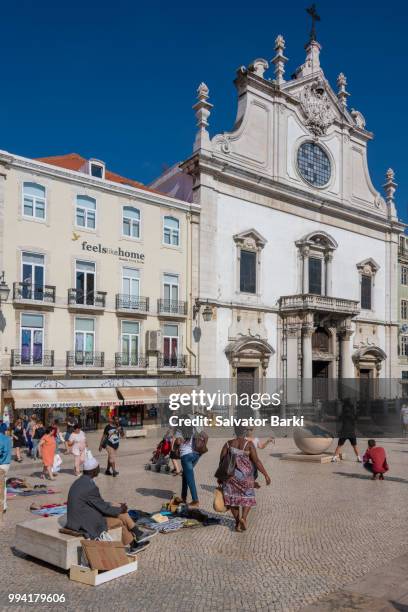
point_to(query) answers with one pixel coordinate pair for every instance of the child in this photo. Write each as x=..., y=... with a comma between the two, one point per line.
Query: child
x=375, y=461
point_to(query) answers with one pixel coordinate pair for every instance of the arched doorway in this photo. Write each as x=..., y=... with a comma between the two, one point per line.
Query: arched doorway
x=368, y=361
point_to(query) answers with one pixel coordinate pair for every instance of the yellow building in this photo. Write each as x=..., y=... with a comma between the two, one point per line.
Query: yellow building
x=101, y=270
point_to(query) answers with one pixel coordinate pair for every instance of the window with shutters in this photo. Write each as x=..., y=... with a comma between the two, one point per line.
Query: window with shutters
x=404, y=309
x=404, y=346
x=365, y=292
x=404, y=275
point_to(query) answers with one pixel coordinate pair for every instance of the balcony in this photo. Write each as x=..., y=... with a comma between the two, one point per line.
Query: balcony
x=41, y=296
x=93, y=300
x=130, y=361
x=172, y=308
x=177, y=362
x=85, y=359
x=130, y=304
x=318, y=303
x=26, y=360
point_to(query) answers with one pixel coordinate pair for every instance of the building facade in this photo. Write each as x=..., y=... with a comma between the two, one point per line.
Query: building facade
x=298, y=250
x=101, y=271
x=403, y=312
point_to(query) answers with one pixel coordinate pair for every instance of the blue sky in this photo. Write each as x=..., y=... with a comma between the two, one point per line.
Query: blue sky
x=116, y=80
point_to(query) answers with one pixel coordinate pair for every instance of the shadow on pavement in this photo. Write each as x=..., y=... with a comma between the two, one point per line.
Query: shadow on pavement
x=161, y=493
x=368, y=477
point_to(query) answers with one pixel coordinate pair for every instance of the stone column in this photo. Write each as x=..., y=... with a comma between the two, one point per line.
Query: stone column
x=347, y=366
x=307, y=364
x=305, y=279
x=328, y=277
x=292, y=361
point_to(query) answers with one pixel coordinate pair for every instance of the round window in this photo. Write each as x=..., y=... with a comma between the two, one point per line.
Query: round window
x=313, y=164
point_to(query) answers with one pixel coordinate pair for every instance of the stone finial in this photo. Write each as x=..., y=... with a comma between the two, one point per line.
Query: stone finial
x=202, y=112
x=279, y=60
x=342, y=93
x=258, y=67
x=390, y=186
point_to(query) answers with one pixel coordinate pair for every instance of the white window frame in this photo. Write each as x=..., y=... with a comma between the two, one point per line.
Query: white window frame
x=125, y=276
x=172, y=231
x=98, y=165
x=404, y=345
x=404, y=307
x=133, y=222
x=404, y=275
x=130, y=335
x=171, y=285
x=170, y=337
x=35, y=200
x=82, y=332
x=32, y=329
x=22, y=268
x=85, y=209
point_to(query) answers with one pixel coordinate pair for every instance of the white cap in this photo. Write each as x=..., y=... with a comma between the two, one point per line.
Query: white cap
x=90, y=462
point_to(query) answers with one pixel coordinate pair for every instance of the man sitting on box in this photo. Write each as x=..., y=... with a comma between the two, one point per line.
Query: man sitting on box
x=90, y=514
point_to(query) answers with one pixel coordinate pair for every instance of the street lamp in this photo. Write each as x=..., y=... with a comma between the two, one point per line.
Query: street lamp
x=4, y=289
x=207, y=312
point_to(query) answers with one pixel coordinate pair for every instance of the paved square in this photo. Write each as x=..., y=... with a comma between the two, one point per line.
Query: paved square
x=315, y=530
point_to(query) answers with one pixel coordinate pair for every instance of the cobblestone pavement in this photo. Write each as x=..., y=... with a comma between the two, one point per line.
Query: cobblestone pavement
x=316, y=529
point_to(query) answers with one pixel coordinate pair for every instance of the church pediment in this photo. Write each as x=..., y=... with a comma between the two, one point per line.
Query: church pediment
x=250, y=239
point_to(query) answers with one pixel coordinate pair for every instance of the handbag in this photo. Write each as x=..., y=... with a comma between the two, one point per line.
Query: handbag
x=226, y=467
x=218, y=503
x=200, y=443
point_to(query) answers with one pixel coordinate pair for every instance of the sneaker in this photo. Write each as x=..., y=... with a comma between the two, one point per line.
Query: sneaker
x=114, y=473
x=334, y=459
x=136, y=547
x=359, y=459
x=108, y=473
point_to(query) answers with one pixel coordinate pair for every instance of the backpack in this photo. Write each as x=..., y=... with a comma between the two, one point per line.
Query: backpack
x=199, y=444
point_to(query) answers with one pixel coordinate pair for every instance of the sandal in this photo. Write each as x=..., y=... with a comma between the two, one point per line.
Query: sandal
x=242, y=524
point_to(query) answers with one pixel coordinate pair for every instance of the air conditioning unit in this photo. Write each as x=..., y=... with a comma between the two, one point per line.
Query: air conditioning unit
x=154, y=341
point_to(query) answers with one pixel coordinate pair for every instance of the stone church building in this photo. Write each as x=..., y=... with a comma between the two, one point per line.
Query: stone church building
x=297, y=257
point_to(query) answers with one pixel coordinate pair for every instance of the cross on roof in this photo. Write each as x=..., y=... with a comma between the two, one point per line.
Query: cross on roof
x=315, y=17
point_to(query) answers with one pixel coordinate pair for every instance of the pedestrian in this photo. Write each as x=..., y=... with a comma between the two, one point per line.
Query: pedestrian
x=47, y=448
x=189, y=458
x=111, y=436
x=375, y=460
x=347, y=431
x=5, y=460
x=77, y=445
x=404, y=419
x=258, y=444
x=30, y=433
x=175, y=452
x=70, y=428
x=19, y=439
x=39, y=431
x=238, y=490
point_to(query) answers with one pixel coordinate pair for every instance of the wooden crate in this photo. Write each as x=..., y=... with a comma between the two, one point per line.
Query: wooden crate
x=86, y=575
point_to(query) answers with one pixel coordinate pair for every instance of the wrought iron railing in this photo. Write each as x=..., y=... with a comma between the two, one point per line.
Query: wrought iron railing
x=131, y=360
x=175, y=307
x=131, y=302
x=175, y=361
x=36, y=358
x=90, y=298
x=85, y=359
x=32, y=291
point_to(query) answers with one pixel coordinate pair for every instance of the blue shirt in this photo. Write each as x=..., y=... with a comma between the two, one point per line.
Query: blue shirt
x=5, y=449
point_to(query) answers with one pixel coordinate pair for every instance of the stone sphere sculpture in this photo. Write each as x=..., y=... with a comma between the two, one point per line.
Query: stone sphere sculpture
x=312, y=439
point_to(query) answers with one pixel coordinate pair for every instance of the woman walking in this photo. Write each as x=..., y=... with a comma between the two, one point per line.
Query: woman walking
x=189, y=458
x=77, y=444
x=19, y=439
x=47, y=448
x=38, y=432
x=239, y=492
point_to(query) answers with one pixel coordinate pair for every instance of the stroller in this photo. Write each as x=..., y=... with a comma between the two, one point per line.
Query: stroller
x=161, y=456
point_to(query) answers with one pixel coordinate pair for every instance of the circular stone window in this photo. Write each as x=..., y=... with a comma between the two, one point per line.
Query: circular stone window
x=313, y=164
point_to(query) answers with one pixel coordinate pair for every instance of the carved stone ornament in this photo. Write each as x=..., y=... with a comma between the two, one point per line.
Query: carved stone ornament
x=317, y=108
x=359, y=119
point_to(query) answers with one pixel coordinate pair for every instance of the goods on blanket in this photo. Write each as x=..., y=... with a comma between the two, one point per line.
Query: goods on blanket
x=49, y=509
x=159, y=518
x=218, y=503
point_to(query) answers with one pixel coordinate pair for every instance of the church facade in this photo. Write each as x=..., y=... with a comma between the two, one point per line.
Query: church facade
x=298, y=272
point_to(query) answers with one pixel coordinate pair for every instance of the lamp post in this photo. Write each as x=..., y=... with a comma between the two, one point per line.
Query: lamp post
x=4, y=289
x=207, y=311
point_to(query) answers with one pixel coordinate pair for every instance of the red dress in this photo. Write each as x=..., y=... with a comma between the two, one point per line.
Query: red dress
x=378, y=459
x=48, y=448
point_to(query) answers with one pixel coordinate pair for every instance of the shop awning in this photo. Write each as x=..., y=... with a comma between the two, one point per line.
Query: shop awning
x=165, y=392
x=62, y=398
x=138, y=395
